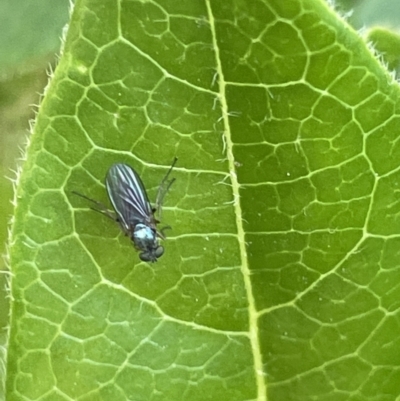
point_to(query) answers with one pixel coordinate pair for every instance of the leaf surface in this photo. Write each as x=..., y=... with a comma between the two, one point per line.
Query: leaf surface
x=279, y=278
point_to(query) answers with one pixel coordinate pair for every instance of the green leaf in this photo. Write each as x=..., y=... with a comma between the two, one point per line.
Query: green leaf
x=280, y=274
x=387, y=44
x=17, y=94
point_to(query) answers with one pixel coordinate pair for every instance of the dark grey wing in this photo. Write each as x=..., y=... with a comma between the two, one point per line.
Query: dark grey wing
x=128, y=196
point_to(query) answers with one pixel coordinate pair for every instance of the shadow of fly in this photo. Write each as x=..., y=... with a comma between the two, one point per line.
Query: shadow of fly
x=132, y=209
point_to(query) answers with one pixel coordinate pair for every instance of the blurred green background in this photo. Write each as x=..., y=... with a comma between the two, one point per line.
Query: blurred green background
x=30, y=39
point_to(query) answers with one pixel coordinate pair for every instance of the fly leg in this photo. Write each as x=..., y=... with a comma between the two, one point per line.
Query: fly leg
x=161, y=233
x=99, y=207
x=164, y=187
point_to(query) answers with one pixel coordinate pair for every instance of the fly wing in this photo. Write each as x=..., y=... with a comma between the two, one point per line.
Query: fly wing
x=128, y=196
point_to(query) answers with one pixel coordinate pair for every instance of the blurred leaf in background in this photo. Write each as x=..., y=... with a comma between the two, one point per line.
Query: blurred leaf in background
x=30, y=38
x=367, y=13
x=381, y=19
x=30, y=32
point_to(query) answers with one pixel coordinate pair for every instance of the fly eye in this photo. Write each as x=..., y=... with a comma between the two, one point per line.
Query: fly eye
x=159, y=251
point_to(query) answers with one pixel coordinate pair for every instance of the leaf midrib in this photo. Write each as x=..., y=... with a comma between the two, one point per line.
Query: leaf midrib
x=253, y=314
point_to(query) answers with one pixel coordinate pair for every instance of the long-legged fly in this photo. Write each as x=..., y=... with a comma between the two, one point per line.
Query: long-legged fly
x=132, y=209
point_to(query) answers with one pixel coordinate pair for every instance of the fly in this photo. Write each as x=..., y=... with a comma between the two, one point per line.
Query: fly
x=132, y=209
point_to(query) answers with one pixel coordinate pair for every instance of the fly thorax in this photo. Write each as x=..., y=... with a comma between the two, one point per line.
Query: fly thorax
x=144, y=237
